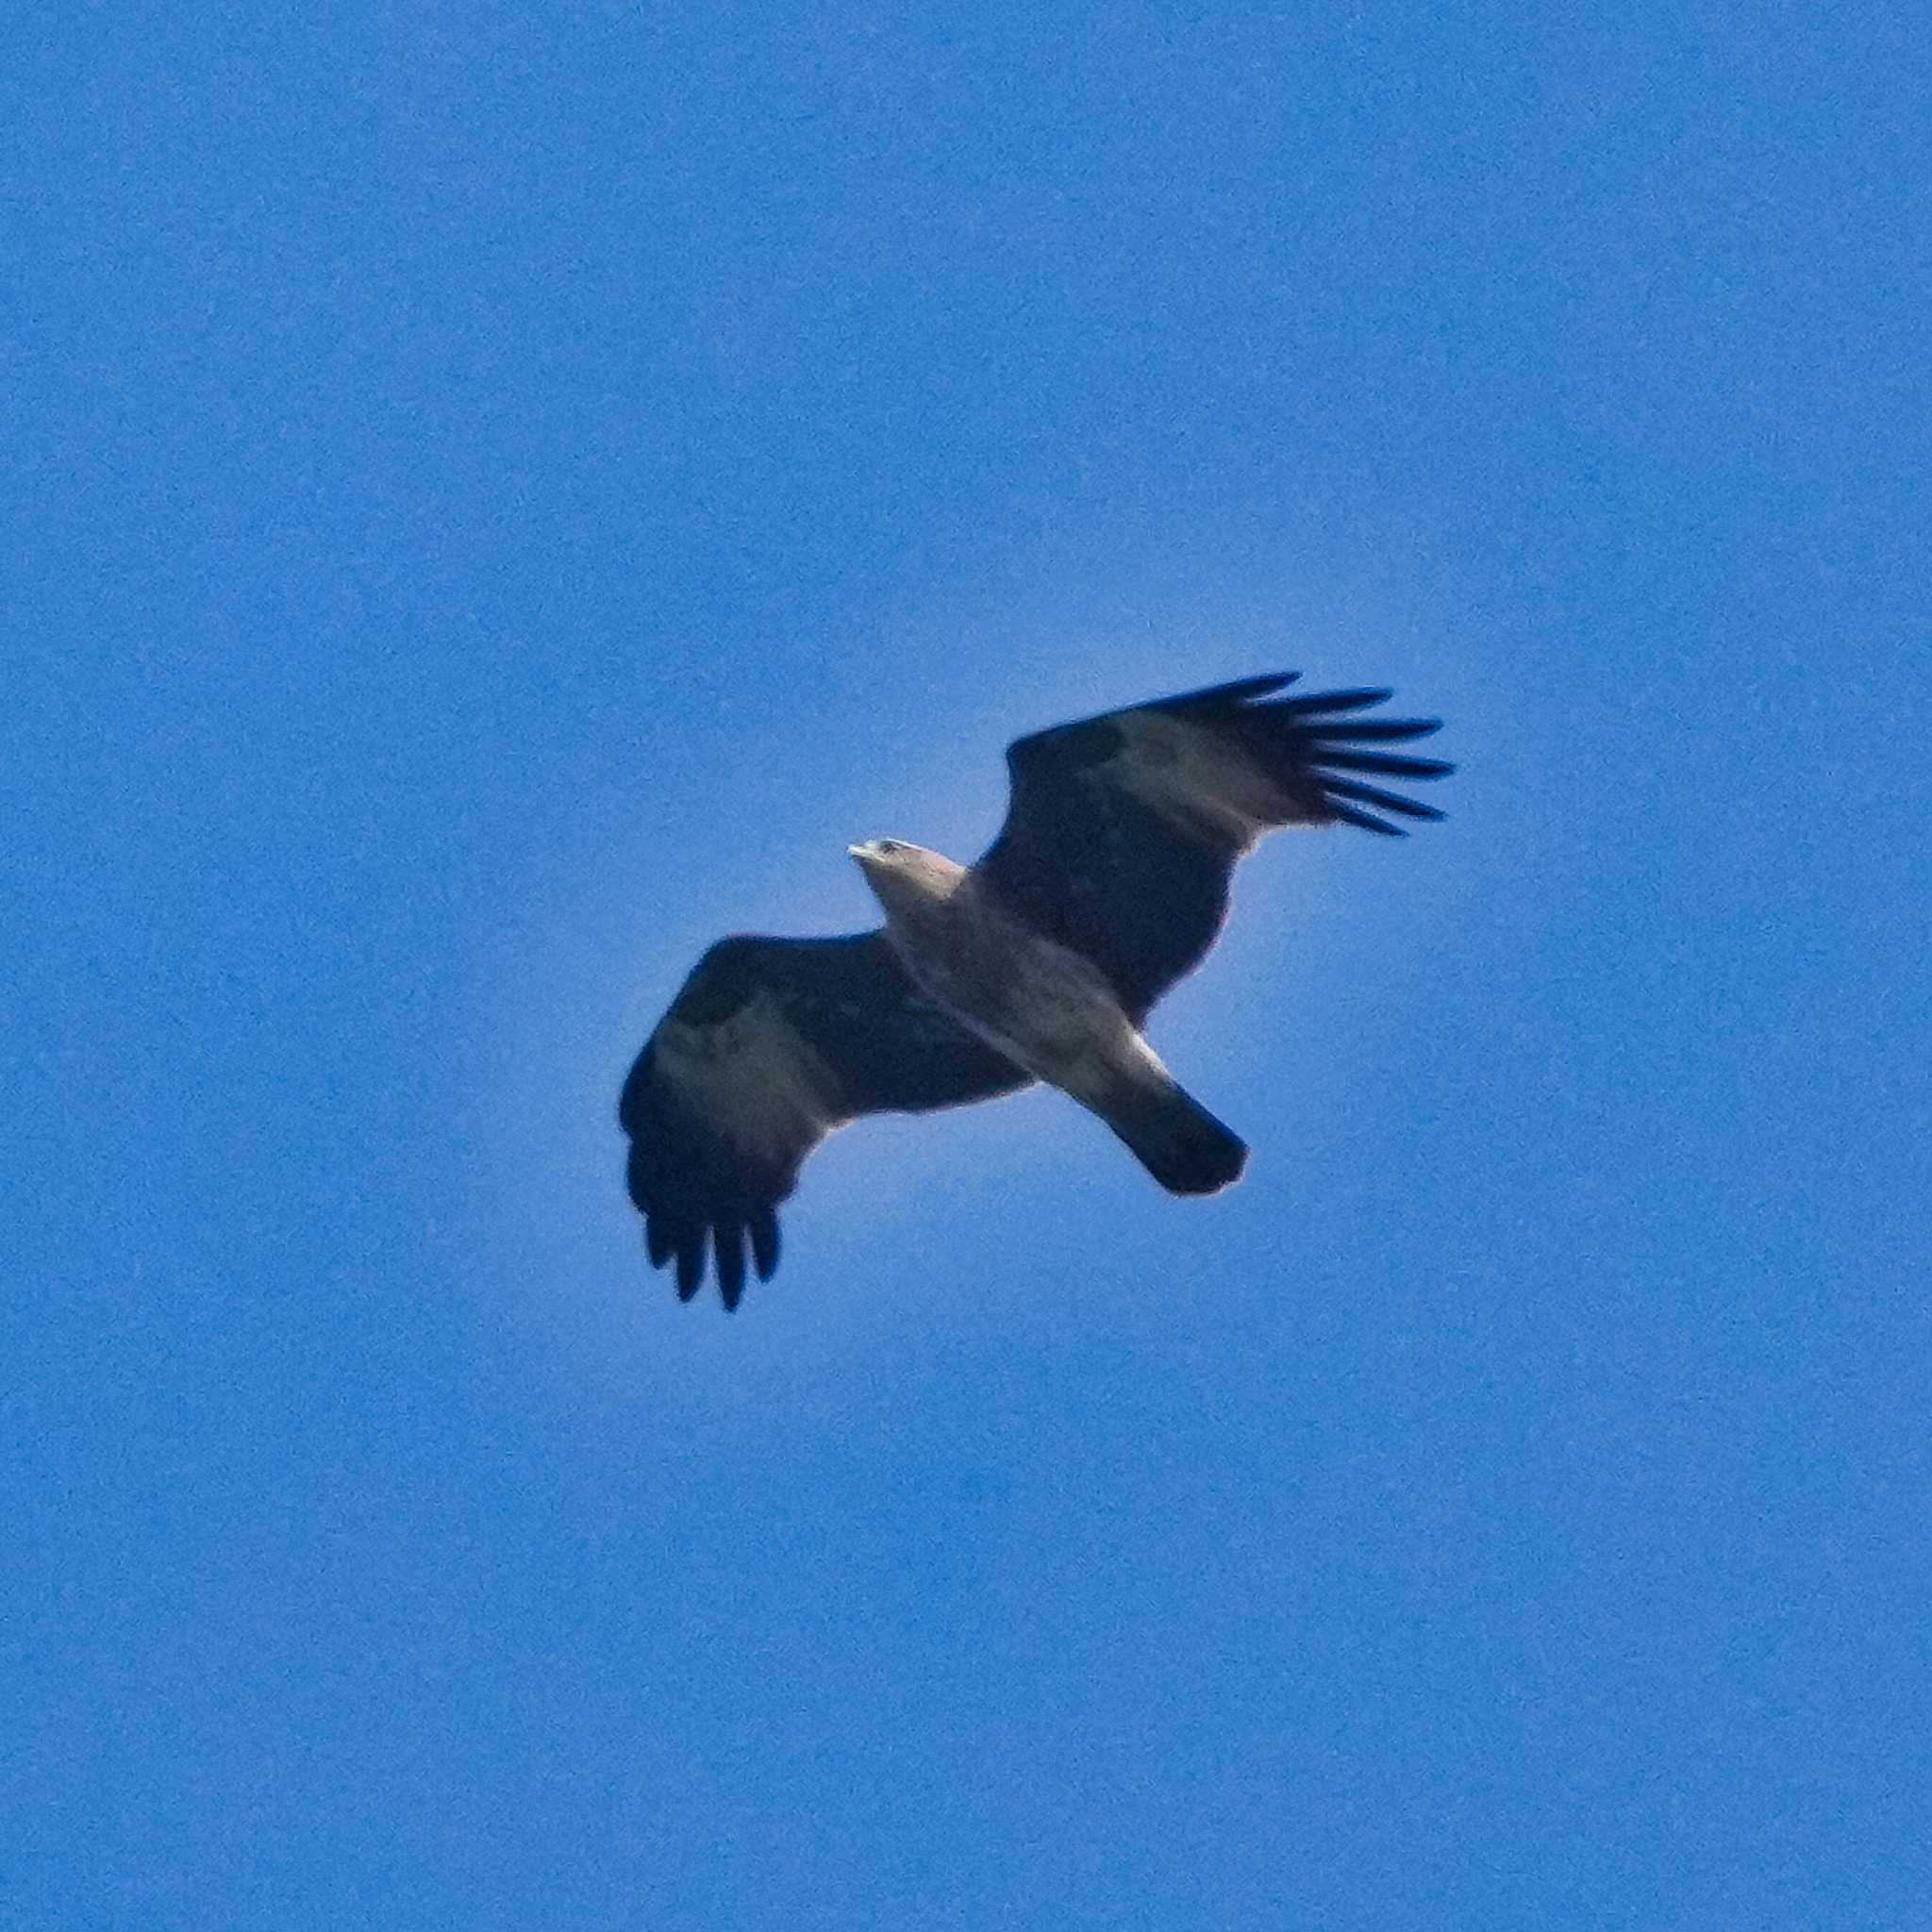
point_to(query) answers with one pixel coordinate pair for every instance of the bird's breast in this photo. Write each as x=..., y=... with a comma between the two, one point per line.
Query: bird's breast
x=1038, y=1002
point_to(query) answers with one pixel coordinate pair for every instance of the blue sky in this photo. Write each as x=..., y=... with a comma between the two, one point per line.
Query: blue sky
x=498, y=497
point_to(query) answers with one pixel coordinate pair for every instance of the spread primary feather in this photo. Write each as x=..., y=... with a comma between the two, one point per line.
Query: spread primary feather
x=1108, y=882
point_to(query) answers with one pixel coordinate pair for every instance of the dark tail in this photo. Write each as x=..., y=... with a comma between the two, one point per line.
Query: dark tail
x=1178, y=1140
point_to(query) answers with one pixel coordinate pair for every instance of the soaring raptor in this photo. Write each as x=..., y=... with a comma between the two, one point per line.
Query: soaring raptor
x=1108, y=882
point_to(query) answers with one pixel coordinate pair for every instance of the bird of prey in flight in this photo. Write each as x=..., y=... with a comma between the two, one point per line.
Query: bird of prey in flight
x=1107, y=884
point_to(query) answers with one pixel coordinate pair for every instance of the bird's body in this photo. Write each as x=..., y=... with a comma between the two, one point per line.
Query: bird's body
x=1108, y=882
x=1045, y=1007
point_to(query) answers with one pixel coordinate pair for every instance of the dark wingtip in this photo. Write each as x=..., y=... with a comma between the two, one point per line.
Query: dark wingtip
x=1382, y=764
x=727, y=1246
x=691, y=1265
x=1367, y=821
x=764, y=1243
x=700, y=1198
x=1372, y=795
x=1372, y=730
x=1317, y=702
x=1216, y=697
x=1321, y=742
x=720, y=1246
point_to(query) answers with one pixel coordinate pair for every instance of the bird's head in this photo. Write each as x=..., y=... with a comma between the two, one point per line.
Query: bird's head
x=902, y=873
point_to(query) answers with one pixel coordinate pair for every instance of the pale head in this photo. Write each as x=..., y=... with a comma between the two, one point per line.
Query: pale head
x=902, y=876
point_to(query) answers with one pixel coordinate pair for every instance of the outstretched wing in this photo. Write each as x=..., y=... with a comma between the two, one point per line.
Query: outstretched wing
x=769, y=1045
x=1123, y=830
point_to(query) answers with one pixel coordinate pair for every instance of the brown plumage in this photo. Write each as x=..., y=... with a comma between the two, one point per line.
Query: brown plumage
x=1108, y=882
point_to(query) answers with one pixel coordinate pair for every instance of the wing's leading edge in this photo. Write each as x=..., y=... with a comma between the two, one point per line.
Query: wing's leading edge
x=1123, y=830
x=769, y=1045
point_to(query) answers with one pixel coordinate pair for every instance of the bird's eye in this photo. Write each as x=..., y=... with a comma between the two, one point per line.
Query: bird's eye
x=889, y=846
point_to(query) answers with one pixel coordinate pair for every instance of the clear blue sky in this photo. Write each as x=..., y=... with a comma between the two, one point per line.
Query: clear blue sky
x=496, y=497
